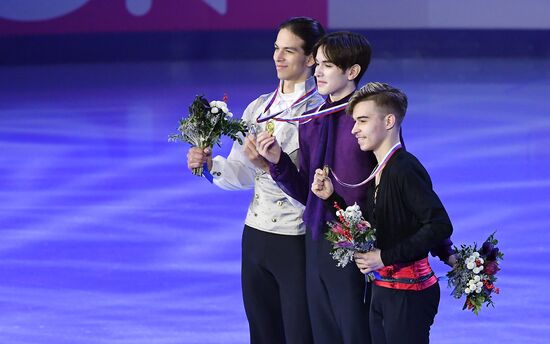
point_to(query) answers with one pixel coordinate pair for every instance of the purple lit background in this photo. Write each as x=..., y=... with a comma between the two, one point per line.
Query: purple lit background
x=107, y=238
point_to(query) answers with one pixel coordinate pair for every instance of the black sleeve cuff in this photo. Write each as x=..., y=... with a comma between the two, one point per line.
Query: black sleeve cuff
x=335, y=198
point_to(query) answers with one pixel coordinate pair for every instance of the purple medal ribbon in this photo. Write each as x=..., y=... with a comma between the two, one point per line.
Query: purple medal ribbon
x=308, y=116
x=298, y=101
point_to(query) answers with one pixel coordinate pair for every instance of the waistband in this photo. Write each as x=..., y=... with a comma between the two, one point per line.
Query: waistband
x=410, y=276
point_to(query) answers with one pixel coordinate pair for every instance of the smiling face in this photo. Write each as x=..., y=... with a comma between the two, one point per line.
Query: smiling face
x=331, y=79
x=290, y=60
x=371, y=125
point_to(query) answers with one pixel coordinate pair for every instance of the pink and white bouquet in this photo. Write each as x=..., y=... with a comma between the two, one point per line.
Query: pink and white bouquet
x=474, y=274
x=350, y=234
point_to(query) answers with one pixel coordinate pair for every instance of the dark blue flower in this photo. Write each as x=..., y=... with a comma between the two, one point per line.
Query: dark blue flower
x=486, y=248
x=493, y=254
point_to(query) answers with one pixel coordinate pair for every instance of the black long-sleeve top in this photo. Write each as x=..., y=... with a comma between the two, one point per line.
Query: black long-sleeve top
x=409, y=218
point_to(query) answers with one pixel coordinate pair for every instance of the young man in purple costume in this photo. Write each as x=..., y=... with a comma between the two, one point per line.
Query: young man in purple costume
x=336, y=296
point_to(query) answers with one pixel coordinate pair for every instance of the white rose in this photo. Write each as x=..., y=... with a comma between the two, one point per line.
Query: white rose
x=481, y=261
x=479, y=285
x=476, y=254
x=470, y=265
x=353, y=212
x=214, y=110
x=478, y=290
x=219, y=104
x=477, y=278
x=229, y=114
x=354, y=207
x=480, y=267
x=467, y=291
x=476, y=270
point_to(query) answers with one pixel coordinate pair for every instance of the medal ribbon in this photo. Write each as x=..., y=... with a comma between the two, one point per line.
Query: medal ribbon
x=308, y=116
x=376, y=170
x=262, y=117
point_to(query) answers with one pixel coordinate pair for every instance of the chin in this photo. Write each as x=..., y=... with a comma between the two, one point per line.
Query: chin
x=322, y=90
x=364, y=147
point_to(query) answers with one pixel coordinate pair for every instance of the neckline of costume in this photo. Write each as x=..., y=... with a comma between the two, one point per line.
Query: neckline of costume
x=299, y=89
x=338, y=102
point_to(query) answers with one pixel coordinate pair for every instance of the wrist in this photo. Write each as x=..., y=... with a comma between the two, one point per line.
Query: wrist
x=276, y=157
x=279, y=156
x=327, y=196
x=264, y=166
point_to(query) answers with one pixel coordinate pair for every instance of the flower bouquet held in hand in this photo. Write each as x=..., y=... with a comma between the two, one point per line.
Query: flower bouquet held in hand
x=474, y=274
x=206, y=123
x=349, y=235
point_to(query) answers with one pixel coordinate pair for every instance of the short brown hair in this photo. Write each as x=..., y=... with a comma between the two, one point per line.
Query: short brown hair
x=344, y=49
x=388, y=97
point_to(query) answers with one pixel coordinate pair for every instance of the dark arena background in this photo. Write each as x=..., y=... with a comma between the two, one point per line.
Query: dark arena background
x=106, y=236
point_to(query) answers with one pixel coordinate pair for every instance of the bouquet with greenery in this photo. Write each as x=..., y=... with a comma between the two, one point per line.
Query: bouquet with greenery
x=349, y=235
x=206, y=123
x=474, y=274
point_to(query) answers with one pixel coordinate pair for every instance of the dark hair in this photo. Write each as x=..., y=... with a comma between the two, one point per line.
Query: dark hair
x=388, y=97
x=308, y=29
x=345, y=49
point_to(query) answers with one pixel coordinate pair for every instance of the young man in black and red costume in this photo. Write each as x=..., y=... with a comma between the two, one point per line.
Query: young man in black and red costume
x=409, y=218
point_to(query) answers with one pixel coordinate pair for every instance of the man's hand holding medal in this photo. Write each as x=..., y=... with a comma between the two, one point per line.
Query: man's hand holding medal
x=267, y=144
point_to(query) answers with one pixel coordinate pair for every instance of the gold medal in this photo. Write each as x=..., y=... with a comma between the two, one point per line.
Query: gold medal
x=270, y=127
x=326, y=170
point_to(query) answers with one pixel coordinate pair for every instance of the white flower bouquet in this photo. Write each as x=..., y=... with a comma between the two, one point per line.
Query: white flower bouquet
x=206, y=123
x=474, y=274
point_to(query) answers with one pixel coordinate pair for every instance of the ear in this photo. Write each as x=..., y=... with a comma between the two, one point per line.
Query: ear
x=353, y=72
x=390, y=121
x=310, y=61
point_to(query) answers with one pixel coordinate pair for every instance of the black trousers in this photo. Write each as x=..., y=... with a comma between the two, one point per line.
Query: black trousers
x=274, y=288
x=335, y=297
x=403, y=316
